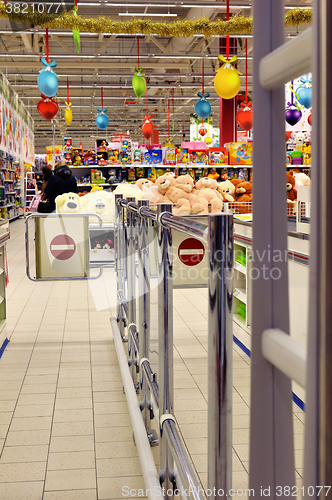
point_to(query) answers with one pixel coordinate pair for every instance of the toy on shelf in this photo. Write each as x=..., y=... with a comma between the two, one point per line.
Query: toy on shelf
x=101, y=145
x=213, y=174
x=296, y=157
x=140, y=172
x=67, y=144
x=240, y=153
x=97, y=177
x=77, y=158
x=137, y=156
x=89, y=158
x=290, y=187
x=218, y=156
x=198, y=157
x=67, y=158
x=153, y=156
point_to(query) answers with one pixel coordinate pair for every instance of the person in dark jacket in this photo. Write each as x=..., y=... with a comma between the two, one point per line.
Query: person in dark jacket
x=47, y=174
x=61, y=182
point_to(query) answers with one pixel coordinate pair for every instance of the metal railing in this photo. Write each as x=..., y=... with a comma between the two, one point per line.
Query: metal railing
x=155, y=400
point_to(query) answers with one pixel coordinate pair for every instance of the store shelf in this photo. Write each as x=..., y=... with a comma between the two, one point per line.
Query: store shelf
x=240, y=267
x=298, y=166
x=239, y=319
x=240, y=293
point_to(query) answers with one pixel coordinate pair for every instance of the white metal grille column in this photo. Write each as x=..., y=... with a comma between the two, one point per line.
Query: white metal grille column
x=271, y=426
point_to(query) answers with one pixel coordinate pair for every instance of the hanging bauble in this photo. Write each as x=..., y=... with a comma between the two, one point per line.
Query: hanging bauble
x=208, y=140
x=68, y=114
x=102, y=119
x=139, y=83
x=147, y=127
x=309, y=119
x=47, y=107
x=202, y=130
x=293, y=114
x=227, y=81
x=76, y=32
x=288, y=134
x=244, y=116
x=202, y=106
x=304, y=92
x=48, y=79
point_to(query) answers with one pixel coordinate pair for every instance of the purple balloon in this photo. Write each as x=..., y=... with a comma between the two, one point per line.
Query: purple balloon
x=293, y=115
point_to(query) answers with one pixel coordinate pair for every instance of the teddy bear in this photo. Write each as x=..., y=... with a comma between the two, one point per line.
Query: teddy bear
x=243, y=192
x=290, y=186
x=101, y=206
x=206, y=188
x=194, y=205
x=143, y=182
x=227, y=190
x=301, y=179
x=172, y=194
x=68, y=203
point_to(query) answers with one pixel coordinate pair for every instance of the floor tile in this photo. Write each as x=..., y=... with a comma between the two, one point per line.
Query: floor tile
x=72, y=443
x=70, y=479
x=71, y=460
x=32, y=490
x=26, y=453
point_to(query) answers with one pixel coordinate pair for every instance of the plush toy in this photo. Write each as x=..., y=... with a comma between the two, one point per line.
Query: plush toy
x=67, y=203
x=235, y=182
x=143, y=182
x=101, y=206
x=243, y=192
x=206, y=188
x=290, y=186
x=301, y=179
x=172, y=194
x=194, y=205
x=227, y=190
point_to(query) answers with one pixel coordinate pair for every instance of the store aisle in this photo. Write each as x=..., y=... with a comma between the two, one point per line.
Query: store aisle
x=65, y=430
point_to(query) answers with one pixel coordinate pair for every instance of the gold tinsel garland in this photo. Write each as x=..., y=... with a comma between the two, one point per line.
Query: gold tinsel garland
x=237, y=25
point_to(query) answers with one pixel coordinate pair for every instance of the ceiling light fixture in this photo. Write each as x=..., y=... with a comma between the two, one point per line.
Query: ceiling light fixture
x=147, y=14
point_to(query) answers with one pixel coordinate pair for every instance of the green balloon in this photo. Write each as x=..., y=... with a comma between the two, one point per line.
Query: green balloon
x=139, y=83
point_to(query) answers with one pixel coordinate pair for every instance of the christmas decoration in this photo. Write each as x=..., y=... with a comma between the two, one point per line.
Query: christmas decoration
x=102, y=119
x=68, y=114
x=76, y=31
x=244, y=116
x=304, y=92
x=202, y=130
x=181, y=28
x=48, y=79
x=147, y=127
x=227, y=81
x=139, y=83
x=47, y=107
x=292, y=114
x=309, y=119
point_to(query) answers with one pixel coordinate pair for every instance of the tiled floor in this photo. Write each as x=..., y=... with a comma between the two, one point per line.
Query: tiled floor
x=65, y=431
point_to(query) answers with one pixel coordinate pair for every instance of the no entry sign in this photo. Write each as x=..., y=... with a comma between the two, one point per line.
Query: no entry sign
x=62, y=247
x=191, y=252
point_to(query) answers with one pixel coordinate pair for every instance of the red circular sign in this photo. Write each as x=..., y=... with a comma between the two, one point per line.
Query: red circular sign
x=191, y=252
x=62, y=247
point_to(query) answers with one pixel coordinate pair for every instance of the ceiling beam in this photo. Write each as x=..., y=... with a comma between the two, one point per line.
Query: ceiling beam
x=62, y=43
x=27, y=40
x=10, y=39
x=101, y=65
x=158, y=44
x=105, y=44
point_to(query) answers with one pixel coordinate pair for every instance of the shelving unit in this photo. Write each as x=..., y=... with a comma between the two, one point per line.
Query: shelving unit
x=10, y=189
x=30, y=189
x=242, y=289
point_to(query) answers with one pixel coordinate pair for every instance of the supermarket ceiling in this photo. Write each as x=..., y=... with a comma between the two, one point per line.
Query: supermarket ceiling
x=109, y=61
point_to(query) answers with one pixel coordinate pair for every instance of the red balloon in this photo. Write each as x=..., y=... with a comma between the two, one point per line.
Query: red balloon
x=244, y=116
x=240, y=98
x=147, y=127
x=47, y=107
x=202, y=130
x=309, y=119
x=288, y=134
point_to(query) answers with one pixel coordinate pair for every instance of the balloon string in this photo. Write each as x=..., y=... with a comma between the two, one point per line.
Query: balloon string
x=147, y=97
x=169, y=118
x=203, y=76
x=138, y=51
x=173, y=99
x=227, y=37
x=292, y=97
x=47, y=54
x=102, y=98
x=67, y=90
x=246, y=72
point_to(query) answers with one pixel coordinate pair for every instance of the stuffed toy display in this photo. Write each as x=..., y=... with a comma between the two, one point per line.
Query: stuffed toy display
x=206, y=188
x=227, y=190
x=243, y=192
x=290, y=187
x=68, y=203
x=301, y=179
x=194, y=205
x=101, y=206
x=143, y=182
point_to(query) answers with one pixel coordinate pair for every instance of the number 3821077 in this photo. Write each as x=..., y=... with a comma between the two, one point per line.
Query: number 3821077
x=28, y=7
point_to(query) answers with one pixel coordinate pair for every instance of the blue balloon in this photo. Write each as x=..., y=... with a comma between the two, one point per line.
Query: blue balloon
x=202, y=106
x=102, y=119
x=48, y=79
x=48, y=83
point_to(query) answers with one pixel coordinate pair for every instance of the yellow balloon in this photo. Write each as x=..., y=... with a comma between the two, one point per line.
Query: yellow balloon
x=68, y=114
x=208, y=140
x=227, y=83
